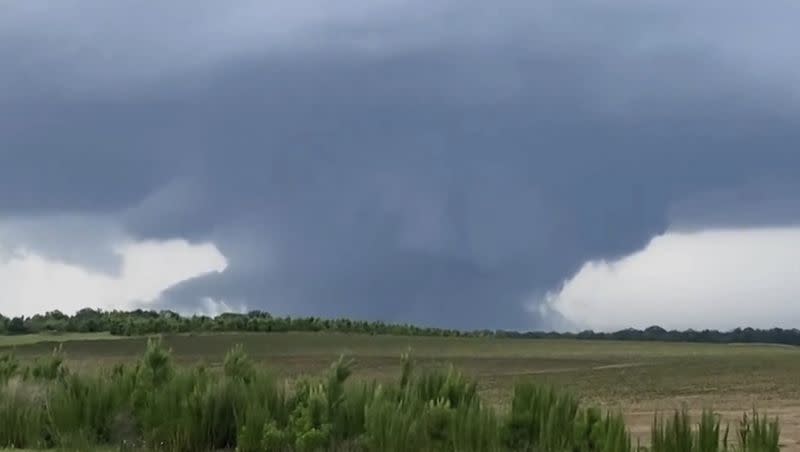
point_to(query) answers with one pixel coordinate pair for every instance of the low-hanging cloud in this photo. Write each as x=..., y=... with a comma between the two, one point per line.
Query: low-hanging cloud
x=723, y=278
x=31, y=283
x=434, y=162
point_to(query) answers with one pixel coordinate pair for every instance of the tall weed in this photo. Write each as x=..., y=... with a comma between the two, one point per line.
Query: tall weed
x=155, y=405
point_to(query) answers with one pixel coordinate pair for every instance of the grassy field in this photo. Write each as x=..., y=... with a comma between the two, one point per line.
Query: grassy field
x=55, y=338
x=637, y=378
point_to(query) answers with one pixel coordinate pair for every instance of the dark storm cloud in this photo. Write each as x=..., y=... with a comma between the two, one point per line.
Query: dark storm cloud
x=432, y=162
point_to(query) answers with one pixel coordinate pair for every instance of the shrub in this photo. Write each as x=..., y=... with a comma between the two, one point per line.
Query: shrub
x=156, y=367
x=757, y=433
x=156, y=406
x=49, y=368
x=22, y=415
x=8, y=366
x=237, y=364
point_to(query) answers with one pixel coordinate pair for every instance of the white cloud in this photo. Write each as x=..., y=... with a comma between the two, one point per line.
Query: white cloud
x=710, y=279
x=213, y=307
x=32, y=283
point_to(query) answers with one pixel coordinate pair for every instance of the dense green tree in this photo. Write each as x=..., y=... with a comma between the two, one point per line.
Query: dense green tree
x=17, y=326
x=141, y=322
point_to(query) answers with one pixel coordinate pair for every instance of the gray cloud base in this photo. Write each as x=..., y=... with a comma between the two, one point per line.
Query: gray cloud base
x=434, y=163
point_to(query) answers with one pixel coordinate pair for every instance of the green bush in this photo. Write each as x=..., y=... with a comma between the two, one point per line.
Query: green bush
x=49, y=368
x=676, y=433
x=154, y=405
x=757, y=433
x=22, y=415
x=8, y=366
x=238, y=365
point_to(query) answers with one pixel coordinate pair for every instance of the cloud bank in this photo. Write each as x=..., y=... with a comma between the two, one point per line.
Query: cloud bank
x=434, y=162
x=32, y=284
x=719, y=279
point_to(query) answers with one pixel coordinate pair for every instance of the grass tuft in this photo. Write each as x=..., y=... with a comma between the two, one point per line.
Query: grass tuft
x=156, y=405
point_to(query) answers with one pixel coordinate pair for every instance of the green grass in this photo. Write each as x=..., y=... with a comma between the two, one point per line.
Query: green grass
x=28, y=339
x=152, y=404
x=595, y=369
x=636, y=378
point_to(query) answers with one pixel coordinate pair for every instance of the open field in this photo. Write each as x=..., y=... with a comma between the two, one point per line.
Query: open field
x=637, y=378
x=54, y=338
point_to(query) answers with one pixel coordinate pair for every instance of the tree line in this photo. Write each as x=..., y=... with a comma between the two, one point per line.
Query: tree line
x=143, y=322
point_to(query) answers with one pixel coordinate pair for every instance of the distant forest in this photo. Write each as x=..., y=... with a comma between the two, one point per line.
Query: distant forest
x=142, y=322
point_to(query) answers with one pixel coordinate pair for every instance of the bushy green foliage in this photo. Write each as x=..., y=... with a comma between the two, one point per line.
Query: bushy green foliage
x=50, y=367
x=597, y=432
x=140, y=322
x=475, y=428
x=676, y=433
x=541, y=418
x=154, y=405
x=757, y=433
x=393, y=426
x=8, y=366
x=451, y=386
x=82, y=409
x=156, y=367
x=238, y=365
x=22, y=415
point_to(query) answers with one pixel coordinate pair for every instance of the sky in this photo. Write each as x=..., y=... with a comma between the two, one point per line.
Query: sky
x=524, y=165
